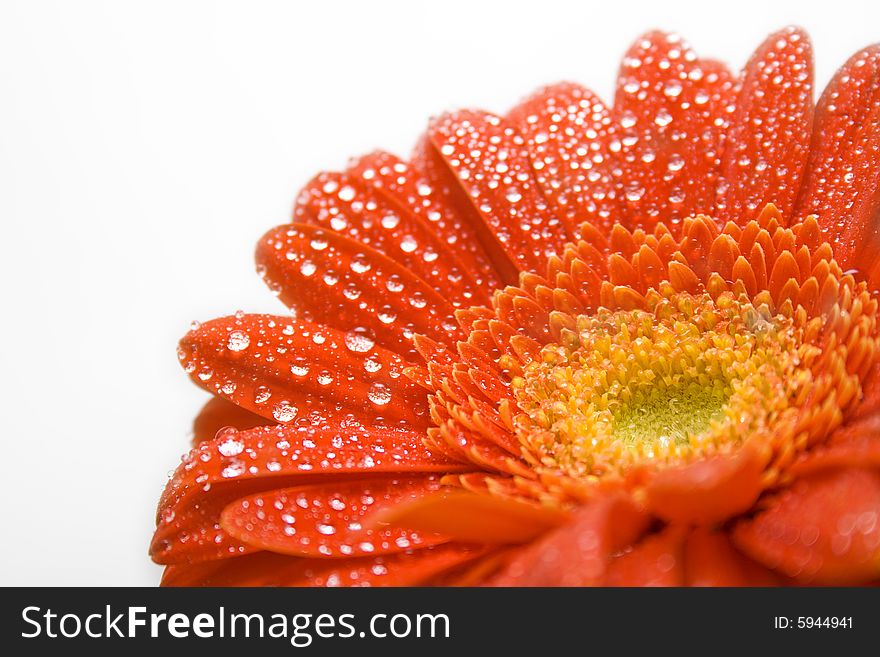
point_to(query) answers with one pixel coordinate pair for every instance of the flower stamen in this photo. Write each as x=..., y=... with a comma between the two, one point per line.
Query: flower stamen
x=687, y=376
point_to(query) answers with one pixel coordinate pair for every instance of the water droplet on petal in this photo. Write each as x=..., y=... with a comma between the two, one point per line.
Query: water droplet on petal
x=284, y=411
x=513, y=195
x=379, y=394
x=358, y=340
x=233, y=470
x=408, y=244
x=238, y=341
x=231, y=446
x=672, y=89
x=663, y=118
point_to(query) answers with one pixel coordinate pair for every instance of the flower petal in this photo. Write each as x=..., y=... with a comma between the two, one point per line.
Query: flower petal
x=486, y=159
x=404, y=187
x=329, y=519
x=281, y=368
x=856, y=444
x=768, y=139
x=218, y=413
x=567, y=130
x=474, y=518
x=346, y=204
x=657, y=560
x=190, y=533
x=708, y=491
x=824, y=529
x=711, y=560
x=670, y=113
x=333, y=280
x=305, y=448
x=870, y=403
x=577, y=554
x=842, y=180
x=268, y=569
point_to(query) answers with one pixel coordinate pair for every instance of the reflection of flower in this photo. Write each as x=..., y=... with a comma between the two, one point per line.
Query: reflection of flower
x=573, y=345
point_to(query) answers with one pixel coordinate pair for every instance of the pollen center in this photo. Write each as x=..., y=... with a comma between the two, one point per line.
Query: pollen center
x=687, y=375
x=673, y=414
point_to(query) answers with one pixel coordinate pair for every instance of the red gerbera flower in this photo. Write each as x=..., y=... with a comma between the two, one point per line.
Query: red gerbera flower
x=573, y=345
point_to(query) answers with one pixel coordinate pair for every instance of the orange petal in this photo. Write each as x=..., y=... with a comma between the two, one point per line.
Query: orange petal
x=190, y=533
x=577, y=554
x=431, y=168
x=708, y=491
x=219, y=413
x=237, y=464
x=348, y=205
x=683, y=277
x=405, y=187
x=870, y=403
x=330, y=519
x=335, y=281
x=281, y=369
x=711, y=560
x=824, y=529
x=656, y=561
x=487, y=159
x=567, y=130
x=474, y=518
x=670, y=112
x=768, y=140
x=268, y=569
x=842, y=180
x=856, y=444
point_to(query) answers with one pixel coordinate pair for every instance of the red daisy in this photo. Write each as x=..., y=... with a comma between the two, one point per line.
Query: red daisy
x=572, y=345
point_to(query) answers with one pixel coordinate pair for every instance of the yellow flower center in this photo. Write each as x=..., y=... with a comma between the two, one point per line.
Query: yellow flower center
x=686, y=376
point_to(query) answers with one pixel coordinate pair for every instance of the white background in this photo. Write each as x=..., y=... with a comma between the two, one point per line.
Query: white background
x=145, y=147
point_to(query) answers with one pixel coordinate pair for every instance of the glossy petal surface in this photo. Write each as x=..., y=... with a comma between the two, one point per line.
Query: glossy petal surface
x=824, y=529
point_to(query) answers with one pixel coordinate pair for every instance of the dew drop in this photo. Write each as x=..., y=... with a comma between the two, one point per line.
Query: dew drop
x=386, y=315
x=390, y=221
x=284, y=411
x=408, y=244
x=358, y=340
x=231, y=447
x=360, y=264
x=379, y=394
x=676, y=162
x=238, y=341
x=663, y=118
x=233, y=470
x=513, y=195
x=633, y=194
x=627, y=120
x=394, y=284
x=672, y=89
